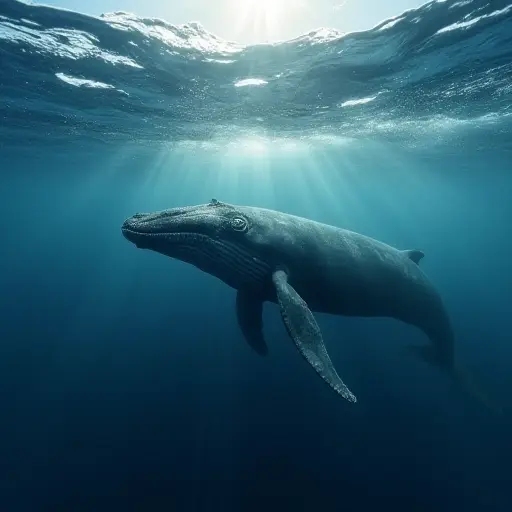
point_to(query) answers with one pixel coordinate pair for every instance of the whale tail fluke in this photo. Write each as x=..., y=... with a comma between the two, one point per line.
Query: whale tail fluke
x=461, y=377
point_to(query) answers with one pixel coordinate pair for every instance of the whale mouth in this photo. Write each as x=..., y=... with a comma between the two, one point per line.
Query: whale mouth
x=162, y=241
x=141, y=236
x=133, y=236
x=140, y=228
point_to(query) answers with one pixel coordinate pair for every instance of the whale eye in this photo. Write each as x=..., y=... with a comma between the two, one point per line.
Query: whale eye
x=239, y=224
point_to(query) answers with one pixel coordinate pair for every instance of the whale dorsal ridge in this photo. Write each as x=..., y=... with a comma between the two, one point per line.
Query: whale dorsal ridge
x=414, y=255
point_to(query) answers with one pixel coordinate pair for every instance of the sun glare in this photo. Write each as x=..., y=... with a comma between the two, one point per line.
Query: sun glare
x=267, y=7
x=263, y=19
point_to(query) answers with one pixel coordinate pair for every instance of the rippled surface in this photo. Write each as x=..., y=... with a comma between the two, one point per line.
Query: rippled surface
x=439, y=69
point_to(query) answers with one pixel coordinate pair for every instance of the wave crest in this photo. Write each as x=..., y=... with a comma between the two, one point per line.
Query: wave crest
x=120, y=74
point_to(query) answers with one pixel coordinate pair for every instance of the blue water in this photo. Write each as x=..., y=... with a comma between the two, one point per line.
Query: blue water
x=125, y=383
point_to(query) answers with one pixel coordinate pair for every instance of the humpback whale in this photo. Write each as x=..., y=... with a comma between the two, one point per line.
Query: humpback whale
x=303, y=266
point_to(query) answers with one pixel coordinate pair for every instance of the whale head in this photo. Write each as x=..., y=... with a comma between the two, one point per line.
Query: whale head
x=230, y=242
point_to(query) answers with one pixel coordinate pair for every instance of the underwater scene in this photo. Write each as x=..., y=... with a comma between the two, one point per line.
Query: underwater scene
x=313, y=311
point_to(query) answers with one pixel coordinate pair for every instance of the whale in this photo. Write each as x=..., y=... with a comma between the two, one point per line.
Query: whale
x=304, y=267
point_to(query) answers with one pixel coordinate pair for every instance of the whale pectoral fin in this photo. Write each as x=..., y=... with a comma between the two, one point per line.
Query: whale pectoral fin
x=249, y=309
x=304, y=331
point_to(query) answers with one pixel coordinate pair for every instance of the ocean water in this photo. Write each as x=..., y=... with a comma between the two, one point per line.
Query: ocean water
x=125, y=383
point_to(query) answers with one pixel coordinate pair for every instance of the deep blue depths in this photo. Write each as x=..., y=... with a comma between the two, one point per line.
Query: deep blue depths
x=124, y=381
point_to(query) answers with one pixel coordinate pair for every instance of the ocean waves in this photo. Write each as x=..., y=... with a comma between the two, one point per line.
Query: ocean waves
x=119, y=76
